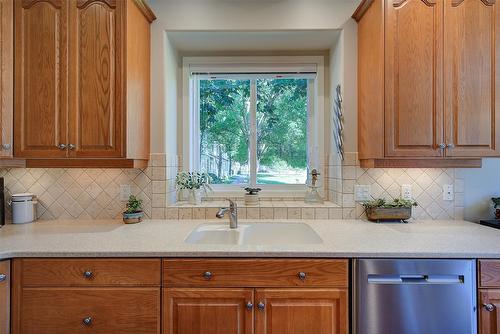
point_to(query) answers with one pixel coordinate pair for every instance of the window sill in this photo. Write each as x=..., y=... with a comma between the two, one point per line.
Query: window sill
x=262, y=204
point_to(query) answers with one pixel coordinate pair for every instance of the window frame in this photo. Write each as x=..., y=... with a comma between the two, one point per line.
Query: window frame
x=224, y=66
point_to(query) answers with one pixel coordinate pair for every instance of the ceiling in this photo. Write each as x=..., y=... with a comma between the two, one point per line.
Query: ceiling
x=203, y=41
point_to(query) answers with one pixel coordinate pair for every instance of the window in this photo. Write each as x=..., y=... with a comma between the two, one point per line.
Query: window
x=251, y=127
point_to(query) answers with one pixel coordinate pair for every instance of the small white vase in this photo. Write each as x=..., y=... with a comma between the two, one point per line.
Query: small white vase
x=194, y=196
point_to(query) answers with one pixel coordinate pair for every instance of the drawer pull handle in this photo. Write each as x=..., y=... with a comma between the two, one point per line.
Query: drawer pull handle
x=261, y=306
x=207, y=275
x=302, y=276
x=87, y=321
x=489, y=307
x=249, y=306
x=3, y=277
x=88, y=274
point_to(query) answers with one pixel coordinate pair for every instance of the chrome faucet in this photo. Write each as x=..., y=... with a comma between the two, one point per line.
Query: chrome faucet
x=233, y=214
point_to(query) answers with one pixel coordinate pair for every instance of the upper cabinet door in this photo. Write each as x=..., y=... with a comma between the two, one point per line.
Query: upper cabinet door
x=41, y=78
x=96, y=85
x=413, y=78
x=6, y=77
x=472, y=73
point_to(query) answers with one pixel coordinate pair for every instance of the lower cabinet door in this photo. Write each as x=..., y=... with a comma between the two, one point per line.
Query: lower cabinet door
x=87, y=310
x=4, y=297
x=489, y=314
x=301, y=311
x=210, y=311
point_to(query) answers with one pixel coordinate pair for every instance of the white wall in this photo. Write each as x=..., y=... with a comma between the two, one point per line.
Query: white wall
x=480, y=186
x=252, y=15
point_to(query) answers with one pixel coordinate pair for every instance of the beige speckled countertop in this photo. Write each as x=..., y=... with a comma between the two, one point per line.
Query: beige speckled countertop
x=159, y=238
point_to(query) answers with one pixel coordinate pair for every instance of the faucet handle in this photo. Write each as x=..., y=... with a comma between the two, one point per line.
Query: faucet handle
x=232, y=204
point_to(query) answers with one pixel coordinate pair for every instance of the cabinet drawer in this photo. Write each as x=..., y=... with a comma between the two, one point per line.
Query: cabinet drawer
x=88, y=310
x=254, y=272
x=489, y=273
x=89, y=272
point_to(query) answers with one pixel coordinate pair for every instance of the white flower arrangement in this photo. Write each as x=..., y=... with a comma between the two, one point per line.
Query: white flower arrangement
x=193, y=181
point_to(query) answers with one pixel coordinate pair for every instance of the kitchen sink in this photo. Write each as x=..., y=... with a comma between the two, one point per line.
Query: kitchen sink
x=254, y=234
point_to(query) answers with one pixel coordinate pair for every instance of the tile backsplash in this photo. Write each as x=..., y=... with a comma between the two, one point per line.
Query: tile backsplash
x=95, y=193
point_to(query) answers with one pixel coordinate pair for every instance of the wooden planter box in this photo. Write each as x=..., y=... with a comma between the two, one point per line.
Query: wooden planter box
x=382, y=214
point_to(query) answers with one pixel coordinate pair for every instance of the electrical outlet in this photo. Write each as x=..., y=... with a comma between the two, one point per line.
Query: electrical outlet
x=362, y=193
x=448, y=193
x=125, y=192
x=406, y=192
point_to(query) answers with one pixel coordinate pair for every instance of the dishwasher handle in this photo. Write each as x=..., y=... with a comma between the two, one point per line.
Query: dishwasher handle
x=415, y=279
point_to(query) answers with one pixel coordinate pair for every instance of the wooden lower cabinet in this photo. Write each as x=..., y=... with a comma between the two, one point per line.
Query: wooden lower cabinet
x=4, y=297
x=489, y=311
x=301, y=311
x=213, y=310
x=87, y=310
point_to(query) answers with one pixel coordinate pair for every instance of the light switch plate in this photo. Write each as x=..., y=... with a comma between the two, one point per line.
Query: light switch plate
x=125, y=192
x=448, y=192
x=362, y=193
x=406, y=192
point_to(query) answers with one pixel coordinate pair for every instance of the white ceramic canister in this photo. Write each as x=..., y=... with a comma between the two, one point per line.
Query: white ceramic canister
x=23, y=208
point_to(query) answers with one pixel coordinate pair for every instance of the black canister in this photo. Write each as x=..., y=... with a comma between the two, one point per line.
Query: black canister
x=2, y=202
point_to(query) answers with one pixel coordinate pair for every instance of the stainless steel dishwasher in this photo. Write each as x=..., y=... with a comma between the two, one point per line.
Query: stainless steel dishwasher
x=414, y=296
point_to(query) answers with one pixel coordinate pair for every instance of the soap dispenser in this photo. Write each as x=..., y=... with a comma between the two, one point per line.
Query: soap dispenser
x=312, y=194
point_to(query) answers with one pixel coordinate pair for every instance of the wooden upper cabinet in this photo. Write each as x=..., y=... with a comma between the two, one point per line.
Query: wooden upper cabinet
x=214, y=311
x=96, y=66
x=6, y=77
x=489, y=311
x=472, y=74
x=319, y=311
x=82, y=97
x=413, y=78
x=41, y=46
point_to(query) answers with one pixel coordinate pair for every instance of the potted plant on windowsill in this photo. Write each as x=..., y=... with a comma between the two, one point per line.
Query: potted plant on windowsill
x=195, y=183
x=380, y=210
x=133, y=213
x=252, y=196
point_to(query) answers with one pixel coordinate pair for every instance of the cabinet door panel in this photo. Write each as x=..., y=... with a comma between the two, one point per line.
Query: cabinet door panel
x=489, y=319
x=472, y=121
x=5, y=297
x=297, y=311
x=95, y=78
x=111, y=310
x=413, y=78
x=214, y=311
x=6, y=77
x=41, y=78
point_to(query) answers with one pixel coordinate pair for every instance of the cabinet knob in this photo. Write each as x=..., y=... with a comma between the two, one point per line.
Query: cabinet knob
x=87, y=321
x=88, y=274
x=6, y=147
x=302, y=276
x=72, y=146
x=207, y=275
x=3, y=277
x=61, y=146
x=450, y=146
x=442, y=146
x=489, y=307
x=249, y=306
x=261, y=306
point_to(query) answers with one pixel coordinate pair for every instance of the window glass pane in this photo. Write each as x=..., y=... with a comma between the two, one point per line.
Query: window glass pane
x=224, y=130
x=281, y=131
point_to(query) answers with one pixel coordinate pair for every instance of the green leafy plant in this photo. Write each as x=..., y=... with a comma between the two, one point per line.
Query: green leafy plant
x=496, y=202
x=193, y=180
x=134, y=205
x=396, y=203
x=252, y=191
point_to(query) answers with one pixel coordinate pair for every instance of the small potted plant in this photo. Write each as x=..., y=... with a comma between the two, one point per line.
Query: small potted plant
x=133, y=213
x=496, y=205
x=195, y=183
x=380, y=210
x=252, y=196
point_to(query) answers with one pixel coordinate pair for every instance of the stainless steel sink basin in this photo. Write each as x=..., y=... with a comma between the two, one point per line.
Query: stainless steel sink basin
x=254, y=234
